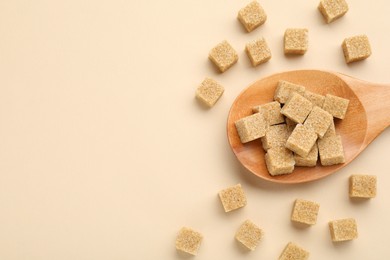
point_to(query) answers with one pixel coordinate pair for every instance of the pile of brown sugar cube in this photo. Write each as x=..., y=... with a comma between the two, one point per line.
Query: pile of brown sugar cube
x=296, y=127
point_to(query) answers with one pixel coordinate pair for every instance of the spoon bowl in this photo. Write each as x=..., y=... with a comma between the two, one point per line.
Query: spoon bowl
x=367, y=116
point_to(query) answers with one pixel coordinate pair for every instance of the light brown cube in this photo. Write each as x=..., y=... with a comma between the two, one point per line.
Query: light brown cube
x=297, y=108
x=249, y=235
x=294, y=252
x=302, y=140
x=343, y=229
x=316, y=99
x=209, y=92
x=271, y=112
x=276, y=136
x=279, y=160
x=258, y=52
x=336, y=106
x=331, y=150
x=319, y=120
x=310, y=160
x=232, y=198
x=305, y=212
x=356, y=48
x=223, y=56
x=362, y=186
x=252, y=127
x=331, y=130
x=296, y=41
x=284, y=90
x=252, y=16
x=188, y=241
x=332, y=9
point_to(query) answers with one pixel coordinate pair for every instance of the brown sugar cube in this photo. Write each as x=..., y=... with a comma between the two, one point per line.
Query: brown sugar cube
x=284, y=90
x=356, y=48
x=209, y=92
x=252, y=127
x=296, y=41
x=310, y=160
x=252, y=16
x=232, y=198
x=319, y=120
x=276, y=136
x=223, y=56
x=279, y=160
x=316, y=99
x=188, y=241
x=331, y=150
x=331, y=130
x=362, y=186
x=305, y=212
x=249, y=234
x=302, y=140
x=294, y=252
x=297, y=108
x=272, y=112
x=343, y=229
x=332, y=9
x=258, y=52
x=336, y=106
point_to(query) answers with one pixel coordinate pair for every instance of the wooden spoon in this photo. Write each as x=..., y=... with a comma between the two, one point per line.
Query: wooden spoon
x=367, y=116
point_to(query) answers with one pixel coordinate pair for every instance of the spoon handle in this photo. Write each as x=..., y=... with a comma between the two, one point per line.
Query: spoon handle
x=376, y=101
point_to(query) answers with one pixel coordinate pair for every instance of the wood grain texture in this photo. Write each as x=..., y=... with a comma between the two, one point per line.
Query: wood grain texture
x=367, y=116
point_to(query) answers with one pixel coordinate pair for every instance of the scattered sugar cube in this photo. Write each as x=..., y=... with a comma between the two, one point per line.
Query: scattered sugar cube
x=297, y=108
x=188, y=241
x=331, y=150
x=285, y=89
x=319, y=120
x=336, y=106
x=252, y=127
x=276, y=136
x=316, y=99
x=331, y=130
x=302, y=140
x=343, y=229
x=258, y=51
x=310, y=160
x=332, y=9
x=279, y=160
x=232, y=198
x=305, y=212
x=209, y=92
x=272, y=112
x=294, y=252
x=362, y=186
x=223, y=56
x=249, y=235
x=296, y=41
x=356, y=48
x=252, y=16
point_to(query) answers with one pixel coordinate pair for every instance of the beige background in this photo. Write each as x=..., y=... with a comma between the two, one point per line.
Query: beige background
x=105, y=153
